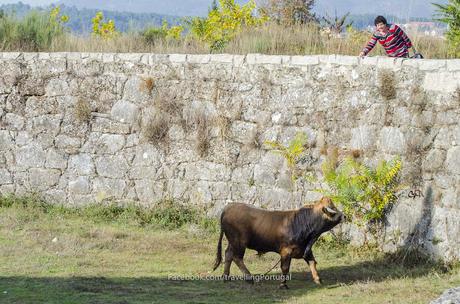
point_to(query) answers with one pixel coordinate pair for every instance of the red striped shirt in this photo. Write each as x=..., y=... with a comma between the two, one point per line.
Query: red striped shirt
x=395, y=42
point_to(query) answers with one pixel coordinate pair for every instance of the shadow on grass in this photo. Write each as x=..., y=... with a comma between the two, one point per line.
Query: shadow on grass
x=163, y=290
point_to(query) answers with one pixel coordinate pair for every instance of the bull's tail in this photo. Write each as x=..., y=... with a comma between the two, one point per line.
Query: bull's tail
x=219, y=249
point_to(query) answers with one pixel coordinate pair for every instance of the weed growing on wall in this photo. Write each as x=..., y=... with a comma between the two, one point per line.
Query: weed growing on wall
x=83, y=111
x=156, y=129
x=292, y=152
x=147, y=85
x=387, y=84
x=202, y=133
x=364, y=192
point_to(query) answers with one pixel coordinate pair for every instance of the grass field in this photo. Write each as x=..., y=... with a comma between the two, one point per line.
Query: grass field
x=53, y=255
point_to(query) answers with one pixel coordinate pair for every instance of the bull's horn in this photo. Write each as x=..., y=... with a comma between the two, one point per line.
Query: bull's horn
x=332, y=211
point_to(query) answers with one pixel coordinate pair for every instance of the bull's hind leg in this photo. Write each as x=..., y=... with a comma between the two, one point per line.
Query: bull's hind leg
x=310, y=259
x=228, y=262
x=285, y=266
x=238, y=258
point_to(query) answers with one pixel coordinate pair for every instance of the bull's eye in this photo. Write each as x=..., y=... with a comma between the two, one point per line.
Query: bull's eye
x=329, y=211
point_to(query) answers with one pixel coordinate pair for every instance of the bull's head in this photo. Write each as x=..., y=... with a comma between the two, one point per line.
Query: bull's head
x=330, y=212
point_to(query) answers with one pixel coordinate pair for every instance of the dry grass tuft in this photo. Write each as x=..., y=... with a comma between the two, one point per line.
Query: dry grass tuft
x=156, y=129
x=356, y=153
x=457, y=95
x=387, y=84
x=147, y=85
x=203, y=135
x=168, y=102
x=83, y=111
x=323, y=150
x=223, y=123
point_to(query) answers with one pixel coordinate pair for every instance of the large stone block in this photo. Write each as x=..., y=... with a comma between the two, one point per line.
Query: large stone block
x=441, y=82
x=137, y=91
x=264, y=175
x=14, y=121
x=80, y=185
x=57, y=87
x=5, y=177
x=150, y=192
x=125, y=112
x=109, y=188
x=363, y=137
x=392, y=140
x=43, y=179
x=55, y=159
x=244, y=132
x=106, y=125
x=453, y=160
x=68, y=144
x=111, y=166
x=207, y=171
x=30, y=156
x=6, y=141
x=111, y=143
x=81, y=164
x=50, y=124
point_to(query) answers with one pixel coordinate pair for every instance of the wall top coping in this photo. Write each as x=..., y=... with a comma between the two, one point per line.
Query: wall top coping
x=249, y=59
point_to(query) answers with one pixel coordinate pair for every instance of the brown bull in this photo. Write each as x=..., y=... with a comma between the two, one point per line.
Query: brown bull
x=290, y=233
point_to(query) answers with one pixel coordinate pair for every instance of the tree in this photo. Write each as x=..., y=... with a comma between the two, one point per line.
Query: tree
x=450, y=14
x=336, y=24
x=289, y=12
x=224, y=23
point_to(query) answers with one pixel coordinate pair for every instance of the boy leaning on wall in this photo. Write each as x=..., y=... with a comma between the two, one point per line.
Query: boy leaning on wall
x=393, y=39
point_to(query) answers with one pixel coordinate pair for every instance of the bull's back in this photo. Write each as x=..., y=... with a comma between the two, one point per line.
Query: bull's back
x=255, y=228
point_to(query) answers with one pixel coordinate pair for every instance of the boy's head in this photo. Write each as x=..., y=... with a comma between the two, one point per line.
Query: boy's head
x=380, y=23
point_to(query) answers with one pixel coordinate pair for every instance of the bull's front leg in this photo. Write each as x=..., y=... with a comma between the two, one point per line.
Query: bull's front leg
x=310, y=259
x=285, y=265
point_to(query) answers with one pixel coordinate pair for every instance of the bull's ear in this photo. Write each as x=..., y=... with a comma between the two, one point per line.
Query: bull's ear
x=329, y=211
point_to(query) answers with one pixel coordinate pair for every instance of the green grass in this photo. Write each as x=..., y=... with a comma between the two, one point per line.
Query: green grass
x=51, y=254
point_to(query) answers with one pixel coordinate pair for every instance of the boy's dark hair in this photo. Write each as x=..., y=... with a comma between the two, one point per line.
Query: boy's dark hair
x=380, y=19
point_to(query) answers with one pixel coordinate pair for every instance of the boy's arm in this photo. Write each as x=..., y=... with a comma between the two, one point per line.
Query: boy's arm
x=370, y=45
x=404, y=37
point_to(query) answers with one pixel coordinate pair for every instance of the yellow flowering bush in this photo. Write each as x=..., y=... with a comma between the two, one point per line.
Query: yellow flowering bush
x=106, y=30
x=223, y=23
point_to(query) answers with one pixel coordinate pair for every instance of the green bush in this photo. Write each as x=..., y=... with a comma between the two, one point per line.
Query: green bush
x=450, y=14
x=35, y=32
x=153, y=35
x=364, y=192
x=165, y=32
x=224, y=22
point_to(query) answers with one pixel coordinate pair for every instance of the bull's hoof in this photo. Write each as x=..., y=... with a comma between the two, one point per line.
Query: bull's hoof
x=283, y=286
x=317, y=281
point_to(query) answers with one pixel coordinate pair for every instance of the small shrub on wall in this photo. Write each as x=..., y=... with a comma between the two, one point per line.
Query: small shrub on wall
x=365, y=193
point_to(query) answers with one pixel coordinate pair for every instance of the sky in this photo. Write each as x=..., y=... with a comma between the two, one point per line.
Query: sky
x=407, y=8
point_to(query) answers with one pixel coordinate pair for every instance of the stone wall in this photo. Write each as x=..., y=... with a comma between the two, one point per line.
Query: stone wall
x=79, y=128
